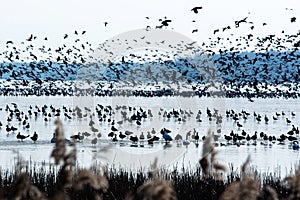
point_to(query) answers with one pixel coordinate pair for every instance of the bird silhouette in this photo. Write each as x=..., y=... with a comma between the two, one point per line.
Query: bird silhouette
x=166, y=22
x=34, y=137
x=293, y=19
x=21, y=137
x=195, y=9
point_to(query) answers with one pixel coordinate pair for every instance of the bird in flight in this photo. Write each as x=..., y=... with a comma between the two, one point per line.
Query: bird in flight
x=105, y=24
x=237, y=23
x=293, y=19
x=165, y=22
x=195, y=9
x=215, y=31
x=30, y=38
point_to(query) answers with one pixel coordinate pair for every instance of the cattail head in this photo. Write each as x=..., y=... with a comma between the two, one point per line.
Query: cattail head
x=153, y=170
x=208, y=162
x=85, y=177
x=156, y=190
x=293, y=182
x=248, y=188
x=24, y=190
x=59, y=150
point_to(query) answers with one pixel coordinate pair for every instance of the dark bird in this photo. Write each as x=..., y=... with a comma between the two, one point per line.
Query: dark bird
x=266, y=119
x=215, y=31
x=114, y=128
x=77, y=137
x=94, y=141
x=293, y=19
x=22, y=137
x=105, y=24
x=237, y=23
x=122, y=136
x=166, y=22
x=30, y=38
x=293, y=114
x=195, y=9
x=134, y=139
x=226, y=28
x=228, y=138
x=94, y=129
x=111, y=134
x=115, y=139
x=34, y=137
x=239, y=125
x=197, y=137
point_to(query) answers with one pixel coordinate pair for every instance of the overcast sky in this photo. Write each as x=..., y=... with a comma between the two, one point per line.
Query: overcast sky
x=54, y=18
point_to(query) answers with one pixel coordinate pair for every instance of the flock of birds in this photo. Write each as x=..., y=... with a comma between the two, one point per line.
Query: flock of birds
x=271, y=69
x=123, y=125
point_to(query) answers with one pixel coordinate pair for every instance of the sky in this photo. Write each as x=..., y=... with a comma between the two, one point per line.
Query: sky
x=54, y=18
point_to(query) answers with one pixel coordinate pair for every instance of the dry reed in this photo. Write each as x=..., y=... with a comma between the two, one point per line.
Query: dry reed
x=248, y=188
x=208, y=162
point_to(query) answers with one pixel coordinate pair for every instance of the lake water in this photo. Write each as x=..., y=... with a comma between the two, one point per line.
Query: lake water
x=266, y=158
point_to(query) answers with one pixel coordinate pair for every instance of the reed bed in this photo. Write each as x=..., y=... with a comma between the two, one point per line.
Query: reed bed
x=210, y=180
x=122, y=183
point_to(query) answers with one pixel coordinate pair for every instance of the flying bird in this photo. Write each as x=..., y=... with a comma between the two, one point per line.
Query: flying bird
x=215, y=31
x=293, y=19
x=237, y=23
x=165, y=22
x=195, y=9
x=30, y=38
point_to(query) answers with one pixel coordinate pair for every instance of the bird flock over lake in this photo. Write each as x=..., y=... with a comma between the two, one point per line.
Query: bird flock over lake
x=245, y=66
x=226, y=66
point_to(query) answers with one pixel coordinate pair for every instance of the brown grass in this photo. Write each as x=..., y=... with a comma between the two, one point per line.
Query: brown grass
x=248, y=188
x=208, y=162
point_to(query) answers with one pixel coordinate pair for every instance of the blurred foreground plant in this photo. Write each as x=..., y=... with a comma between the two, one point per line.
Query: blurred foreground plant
x=68, y=178
x=156, y=188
